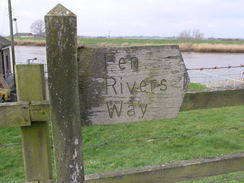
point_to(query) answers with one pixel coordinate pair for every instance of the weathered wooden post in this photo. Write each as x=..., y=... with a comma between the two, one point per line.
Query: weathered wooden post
x=61, y=38
x=35, y=138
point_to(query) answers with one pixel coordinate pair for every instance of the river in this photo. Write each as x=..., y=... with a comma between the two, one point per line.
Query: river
x=212, y=78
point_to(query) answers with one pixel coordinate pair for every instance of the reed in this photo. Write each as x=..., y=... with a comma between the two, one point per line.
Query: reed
x=30, y=42
x=218, y=48
x=185, y=46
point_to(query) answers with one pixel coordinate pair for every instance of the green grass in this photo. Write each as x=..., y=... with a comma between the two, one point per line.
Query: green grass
x=133, y=154
x=119, y=41
x=196, y=86
x=130, y=155
x=11, y=162
x=124, y=156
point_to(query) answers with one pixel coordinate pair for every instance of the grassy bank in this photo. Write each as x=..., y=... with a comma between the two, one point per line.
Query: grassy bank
x=105, y=158
x=236, y=46
x=116, y=147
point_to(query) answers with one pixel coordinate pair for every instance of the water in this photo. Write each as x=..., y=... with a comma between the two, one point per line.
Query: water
x=212, y=78
x=23, y=53
x=215, y=78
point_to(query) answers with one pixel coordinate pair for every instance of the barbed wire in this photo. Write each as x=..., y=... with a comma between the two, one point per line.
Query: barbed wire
x=164, y=137
x=153, y=138
x=231, y=74
x=12, y=144
x=216, y=67
x=42, y=61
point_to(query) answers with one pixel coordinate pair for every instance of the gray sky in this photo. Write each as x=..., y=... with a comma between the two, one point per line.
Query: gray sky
x=214, y=18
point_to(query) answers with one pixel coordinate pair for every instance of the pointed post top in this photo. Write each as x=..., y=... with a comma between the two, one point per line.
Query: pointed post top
x=61, y=39
x=60, y=10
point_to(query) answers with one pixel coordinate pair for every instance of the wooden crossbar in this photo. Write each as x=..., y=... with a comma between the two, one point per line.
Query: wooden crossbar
x=16, y=114
x=22, y=113
x=205, y=99
x=174, y=172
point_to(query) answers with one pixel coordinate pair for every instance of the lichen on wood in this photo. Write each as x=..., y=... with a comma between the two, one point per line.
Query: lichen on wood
x=61, y=38
x=130, y=84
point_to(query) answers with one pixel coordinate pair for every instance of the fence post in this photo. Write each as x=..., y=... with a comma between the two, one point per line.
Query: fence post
x=62, y=64
x=35, y=138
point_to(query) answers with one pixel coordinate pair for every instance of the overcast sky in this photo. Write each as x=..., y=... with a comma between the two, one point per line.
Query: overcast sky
x=214, y=18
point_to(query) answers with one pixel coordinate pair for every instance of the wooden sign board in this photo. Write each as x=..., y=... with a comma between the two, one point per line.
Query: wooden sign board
x=130, y=84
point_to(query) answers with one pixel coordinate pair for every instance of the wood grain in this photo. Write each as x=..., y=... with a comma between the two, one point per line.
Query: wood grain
x=206, y=99
x=62, y=64
x=130, y=84
x=35, y=138
x=173, y=172
x=14, y=114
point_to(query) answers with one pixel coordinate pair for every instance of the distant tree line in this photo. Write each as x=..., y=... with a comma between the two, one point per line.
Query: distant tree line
x=187, y=34
x=38, y=29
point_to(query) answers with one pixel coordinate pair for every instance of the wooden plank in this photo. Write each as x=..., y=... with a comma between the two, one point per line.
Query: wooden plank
x=35, y=138
x=40, y=111
x=14, y=114
x=62, y=64
x=131, y=84
x=17, y=114
x=212, y=98
x=173, y=172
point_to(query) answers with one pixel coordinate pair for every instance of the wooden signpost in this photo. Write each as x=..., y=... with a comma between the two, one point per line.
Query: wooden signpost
x=130, y=84
x=63, y=89
x=104, y=86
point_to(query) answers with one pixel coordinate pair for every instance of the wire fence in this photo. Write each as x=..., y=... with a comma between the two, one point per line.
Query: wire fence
x=218, y=79
x=231, y=76
x=151, y=139
x=11, y=144
x=213, y=77
x=216, y=67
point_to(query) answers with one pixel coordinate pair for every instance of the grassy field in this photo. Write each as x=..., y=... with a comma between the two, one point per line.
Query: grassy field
x=235, y=46
x=123, y=151
x=196, y=86
x=121, y=41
